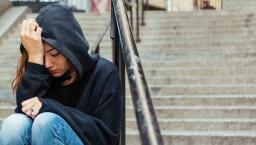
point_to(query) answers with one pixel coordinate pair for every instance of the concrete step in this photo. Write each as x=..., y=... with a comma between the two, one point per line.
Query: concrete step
x=197, y=72
x=193, y=55
x=7, y=101
x=201, y=100
x=197, y=63
x=200, y=112
x=177, y=23
x=6, y=93
x=162, y=14
x=199, y=137
x=201, y=124
x=220, y=89
x=6, y=110
x=199, y=32
x=183, y=24
x=202, y=31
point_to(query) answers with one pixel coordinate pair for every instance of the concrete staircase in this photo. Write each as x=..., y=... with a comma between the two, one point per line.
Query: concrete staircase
x=200, y=68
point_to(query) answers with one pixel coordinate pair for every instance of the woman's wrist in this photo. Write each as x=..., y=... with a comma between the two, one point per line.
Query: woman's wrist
x=39, y=59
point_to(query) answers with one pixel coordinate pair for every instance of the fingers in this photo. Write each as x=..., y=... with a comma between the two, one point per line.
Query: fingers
x=28, y=113
x=27, y=107
x=32, y=28
x=22, y=32
x=31, y=100
x=35, y=111
x=28, y=26
x=31, y=107
x=39, y=30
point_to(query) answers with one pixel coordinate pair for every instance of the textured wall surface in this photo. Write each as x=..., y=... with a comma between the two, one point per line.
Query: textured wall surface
x=3, y=5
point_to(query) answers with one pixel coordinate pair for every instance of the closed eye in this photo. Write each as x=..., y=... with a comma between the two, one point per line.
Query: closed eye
x=56, y=54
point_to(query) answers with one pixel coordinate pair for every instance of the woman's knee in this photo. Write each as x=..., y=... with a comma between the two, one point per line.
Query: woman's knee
x=18, y=122
x=45, y=122
x=16, y=127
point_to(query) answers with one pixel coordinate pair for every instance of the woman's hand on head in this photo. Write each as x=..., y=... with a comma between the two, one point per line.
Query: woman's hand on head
x=31, y=39
x=31, y=107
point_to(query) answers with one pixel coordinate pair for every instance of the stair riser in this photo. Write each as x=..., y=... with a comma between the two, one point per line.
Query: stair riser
x=197, y=140
x=4, y=113
x=187, y=101
x=161, y=91
x=201, y=126
x=200, y=113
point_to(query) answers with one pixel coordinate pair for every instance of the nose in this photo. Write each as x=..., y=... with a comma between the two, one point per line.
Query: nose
x=48, y=64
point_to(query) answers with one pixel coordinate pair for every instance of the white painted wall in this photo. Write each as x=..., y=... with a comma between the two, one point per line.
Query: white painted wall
x=174, y=5
x=181, y=5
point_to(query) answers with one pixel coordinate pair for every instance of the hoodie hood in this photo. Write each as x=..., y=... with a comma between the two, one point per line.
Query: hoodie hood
x=62, y=31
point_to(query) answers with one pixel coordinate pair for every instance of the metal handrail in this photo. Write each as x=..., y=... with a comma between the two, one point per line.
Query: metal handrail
x=126, y=54
x=95, y=49
x=137, y=9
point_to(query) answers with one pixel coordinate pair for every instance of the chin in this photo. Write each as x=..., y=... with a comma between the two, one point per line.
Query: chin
x=56, y=75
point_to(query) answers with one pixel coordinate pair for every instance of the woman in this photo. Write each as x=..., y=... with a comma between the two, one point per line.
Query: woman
x=64, y=95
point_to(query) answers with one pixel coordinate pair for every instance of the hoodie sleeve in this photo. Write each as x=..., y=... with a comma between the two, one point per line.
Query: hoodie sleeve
x=34, y=83
x=102, y=127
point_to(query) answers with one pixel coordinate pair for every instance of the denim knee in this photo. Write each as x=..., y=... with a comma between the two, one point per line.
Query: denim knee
x=16, y=130
x=45, y=123
x=53, y=128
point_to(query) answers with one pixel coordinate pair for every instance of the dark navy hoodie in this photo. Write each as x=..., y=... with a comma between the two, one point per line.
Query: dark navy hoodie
x=92, y=105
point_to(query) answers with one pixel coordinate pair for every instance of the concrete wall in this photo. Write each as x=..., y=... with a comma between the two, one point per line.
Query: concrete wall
x=4, y=4
x=173, y=5
x=181, y=5
x=158, y=3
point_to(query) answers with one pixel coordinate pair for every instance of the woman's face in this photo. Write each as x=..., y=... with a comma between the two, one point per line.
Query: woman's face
x=55, y=62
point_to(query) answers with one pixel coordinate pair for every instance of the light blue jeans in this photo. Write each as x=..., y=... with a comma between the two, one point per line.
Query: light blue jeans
x=46, y=129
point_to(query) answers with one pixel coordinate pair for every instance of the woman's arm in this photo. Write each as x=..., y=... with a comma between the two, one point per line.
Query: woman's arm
x=35, y=82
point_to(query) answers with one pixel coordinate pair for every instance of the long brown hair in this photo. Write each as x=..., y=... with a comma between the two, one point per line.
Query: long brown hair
x=72, y=73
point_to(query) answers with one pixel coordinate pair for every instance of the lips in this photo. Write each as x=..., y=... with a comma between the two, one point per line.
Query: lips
x=54, y=71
